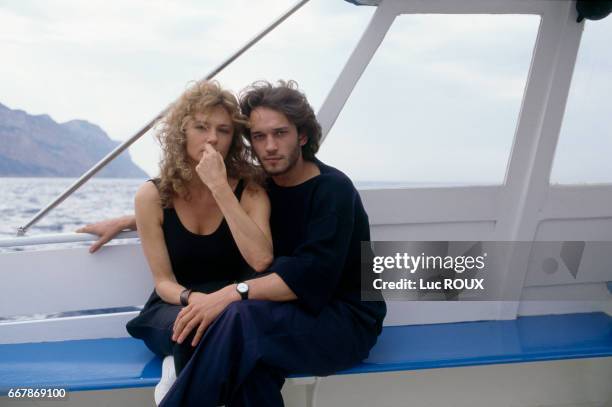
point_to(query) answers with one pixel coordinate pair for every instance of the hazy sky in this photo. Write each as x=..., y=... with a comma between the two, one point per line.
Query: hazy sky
x=438, y=103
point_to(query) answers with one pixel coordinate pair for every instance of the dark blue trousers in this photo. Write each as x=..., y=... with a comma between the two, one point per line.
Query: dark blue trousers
x=246, y=353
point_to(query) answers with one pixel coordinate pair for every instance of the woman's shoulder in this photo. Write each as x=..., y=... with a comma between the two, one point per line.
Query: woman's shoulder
x=147, y=193
x=147, y=204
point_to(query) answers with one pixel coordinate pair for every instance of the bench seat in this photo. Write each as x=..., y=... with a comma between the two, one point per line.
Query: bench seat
x=103, y=364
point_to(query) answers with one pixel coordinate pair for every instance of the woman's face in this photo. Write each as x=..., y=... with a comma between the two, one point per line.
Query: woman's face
x=214, y=127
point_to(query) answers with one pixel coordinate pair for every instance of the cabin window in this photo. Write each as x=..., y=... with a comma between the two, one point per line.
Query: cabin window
x=438, y=104
x=585, y=142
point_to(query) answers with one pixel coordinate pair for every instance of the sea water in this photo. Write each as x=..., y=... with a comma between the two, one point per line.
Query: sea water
x=99, y=198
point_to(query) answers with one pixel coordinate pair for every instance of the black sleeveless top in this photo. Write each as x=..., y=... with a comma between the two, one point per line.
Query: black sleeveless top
x=203, y=262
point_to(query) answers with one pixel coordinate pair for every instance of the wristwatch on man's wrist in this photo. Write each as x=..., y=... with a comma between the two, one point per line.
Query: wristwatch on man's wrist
x=185, y=297
x=243, y=290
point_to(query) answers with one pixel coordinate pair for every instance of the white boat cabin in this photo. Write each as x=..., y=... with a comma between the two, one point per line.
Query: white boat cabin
x=546, y=342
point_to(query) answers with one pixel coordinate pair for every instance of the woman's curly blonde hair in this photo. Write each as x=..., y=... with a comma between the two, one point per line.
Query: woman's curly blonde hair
x=175, y=171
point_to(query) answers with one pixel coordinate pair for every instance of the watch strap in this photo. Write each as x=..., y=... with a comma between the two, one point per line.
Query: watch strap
x=185, y=297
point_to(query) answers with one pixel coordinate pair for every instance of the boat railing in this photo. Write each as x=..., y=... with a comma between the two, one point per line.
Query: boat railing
x=57, y=238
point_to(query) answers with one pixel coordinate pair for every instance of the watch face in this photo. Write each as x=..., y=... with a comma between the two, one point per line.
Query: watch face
x=242, y=288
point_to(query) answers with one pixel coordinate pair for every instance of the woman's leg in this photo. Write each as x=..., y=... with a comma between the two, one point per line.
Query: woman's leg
x=182, y=353
x=154, y=327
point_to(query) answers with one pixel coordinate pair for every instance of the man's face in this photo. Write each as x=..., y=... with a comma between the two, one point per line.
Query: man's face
x=275, y=140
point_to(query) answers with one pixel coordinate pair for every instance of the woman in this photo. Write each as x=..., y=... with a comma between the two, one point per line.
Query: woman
x=204, y=223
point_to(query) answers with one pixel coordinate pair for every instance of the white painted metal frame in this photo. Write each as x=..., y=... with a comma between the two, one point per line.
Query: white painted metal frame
x=355, y=66
x=541, y=117
x=511, y=212
x=57, y=238
x=381, y=22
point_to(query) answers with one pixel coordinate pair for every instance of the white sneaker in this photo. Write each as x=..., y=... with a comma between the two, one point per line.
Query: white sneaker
x=168, y=377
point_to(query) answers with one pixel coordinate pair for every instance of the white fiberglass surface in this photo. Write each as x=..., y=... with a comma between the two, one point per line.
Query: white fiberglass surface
x=585, y=142
x=438, y=104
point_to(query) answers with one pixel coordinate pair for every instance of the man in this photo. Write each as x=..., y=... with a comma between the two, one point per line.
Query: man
x=305, y=314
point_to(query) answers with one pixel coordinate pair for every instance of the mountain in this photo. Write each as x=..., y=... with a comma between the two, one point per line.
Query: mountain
x=37, y=146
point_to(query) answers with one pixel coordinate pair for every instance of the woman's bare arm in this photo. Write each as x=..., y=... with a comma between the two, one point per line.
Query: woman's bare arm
x=108, y=229
x=149, y=218
x=249, y=222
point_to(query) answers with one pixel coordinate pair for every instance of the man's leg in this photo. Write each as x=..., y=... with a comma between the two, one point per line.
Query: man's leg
x=281, y=336
x=262, y=387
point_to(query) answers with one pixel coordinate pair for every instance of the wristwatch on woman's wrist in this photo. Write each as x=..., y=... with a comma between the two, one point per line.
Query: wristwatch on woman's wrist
x=185, y=297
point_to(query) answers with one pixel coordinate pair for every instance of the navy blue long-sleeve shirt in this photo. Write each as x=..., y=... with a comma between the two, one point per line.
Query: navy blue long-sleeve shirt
x=317, y=229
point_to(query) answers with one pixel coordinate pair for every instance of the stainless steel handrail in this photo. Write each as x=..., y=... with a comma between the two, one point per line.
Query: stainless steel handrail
x=56, y=238
x=21, y=231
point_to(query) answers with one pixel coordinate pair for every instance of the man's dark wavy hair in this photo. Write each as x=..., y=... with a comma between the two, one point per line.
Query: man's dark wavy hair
x=284, y=97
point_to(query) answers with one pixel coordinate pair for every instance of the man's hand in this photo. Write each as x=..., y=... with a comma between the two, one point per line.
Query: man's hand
x=202, y=310
x=211, y=168
x=107, y=229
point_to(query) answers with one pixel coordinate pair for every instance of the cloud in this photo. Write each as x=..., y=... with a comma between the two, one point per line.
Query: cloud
x=448, y=86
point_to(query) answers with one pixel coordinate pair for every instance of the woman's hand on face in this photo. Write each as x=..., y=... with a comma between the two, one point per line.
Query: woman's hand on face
x=202, y=310
x=211, y=168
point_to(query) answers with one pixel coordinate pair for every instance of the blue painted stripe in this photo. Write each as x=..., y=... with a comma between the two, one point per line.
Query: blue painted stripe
x=100, y=364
